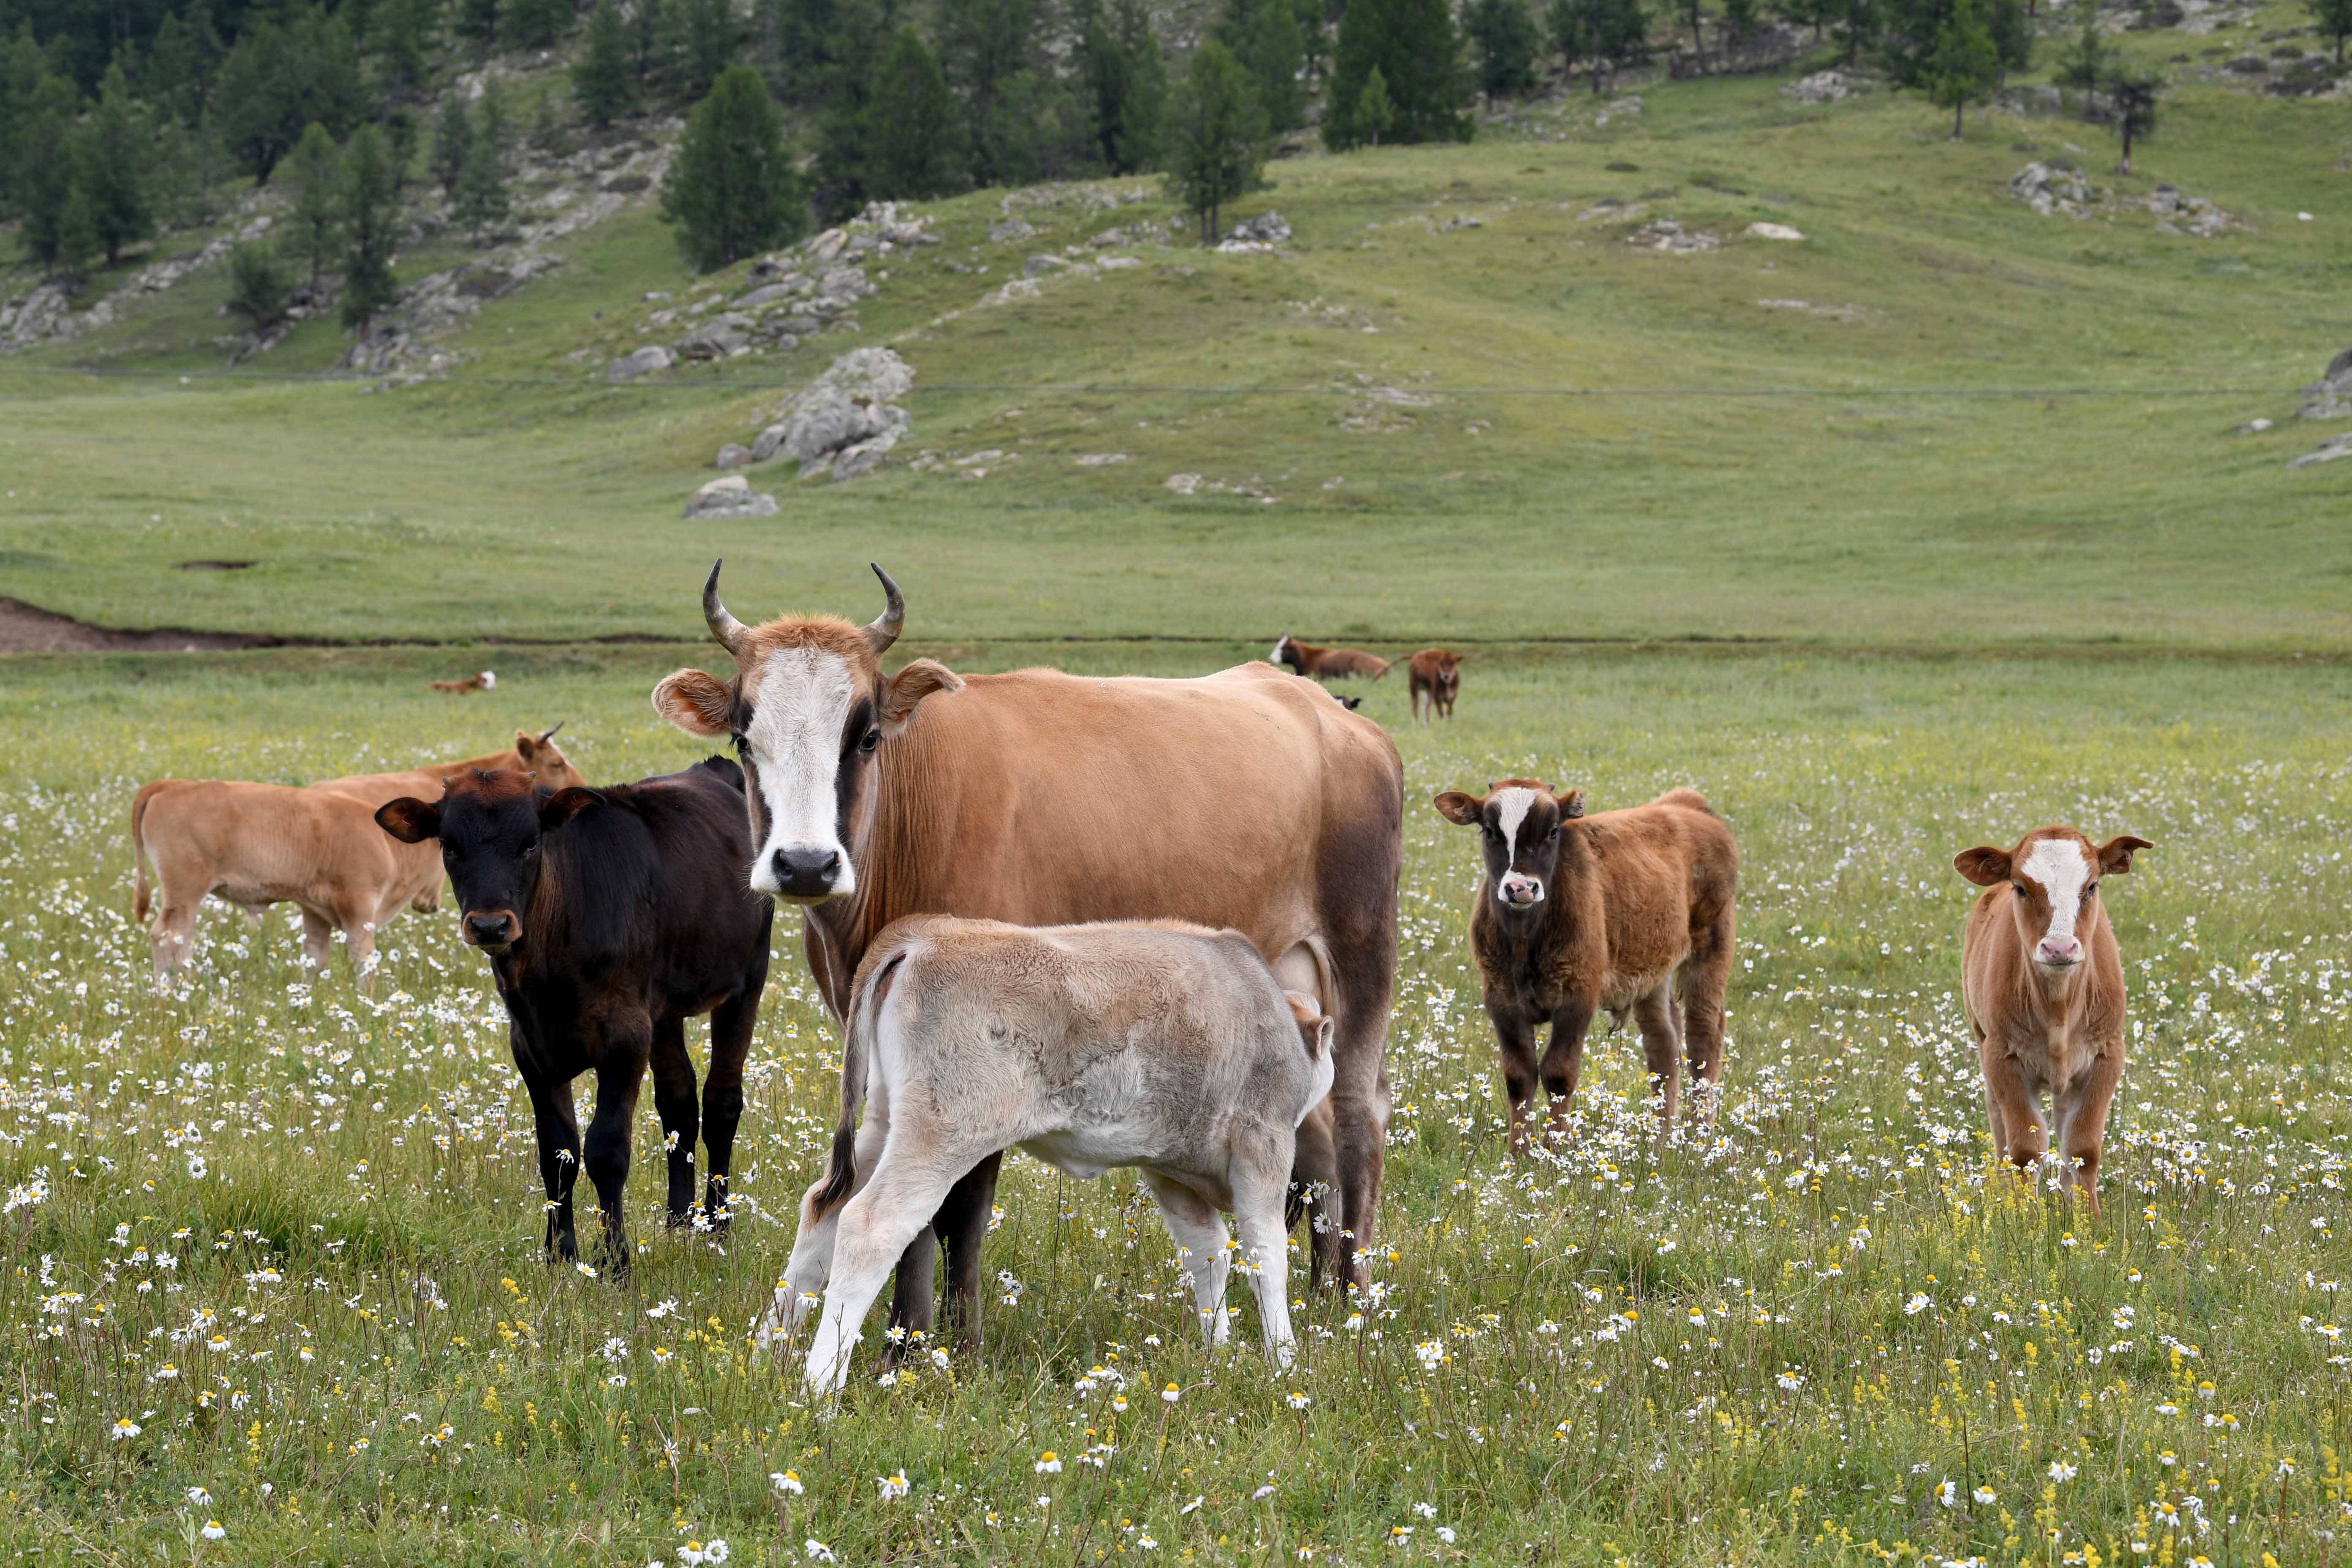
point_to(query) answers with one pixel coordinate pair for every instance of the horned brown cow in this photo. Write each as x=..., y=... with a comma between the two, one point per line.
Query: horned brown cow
x=1240, y=799
x=254, y=845
x=1575, y=914
x=1326, y=663
x=2041, y=984
x=1434, y=677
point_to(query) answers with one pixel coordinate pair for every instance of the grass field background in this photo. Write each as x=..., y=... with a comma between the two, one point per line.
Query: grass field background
x=1768, y=1345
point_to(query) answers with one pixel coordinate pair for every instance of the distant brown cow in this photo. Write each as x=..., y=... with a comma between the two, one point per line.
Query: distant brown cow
x=1576, y=913
x=1326, y=663
x=1435, y=677
x=485, y=681
x=254, y=845
x=2042, y=983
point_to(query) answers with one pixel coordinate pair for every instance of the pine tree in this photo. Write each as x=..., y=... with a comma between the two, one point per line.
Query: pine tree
x=41, y=179
x=1263, y=37
x=1418, y=53
x=114, y=163
x=1504, y=34
x=180, y=62
x=1858, y=22
x=648, y=40
x=535, y=24
x=549, y=133
x=478, y=22
x=1375, y=110
x=917, y=126
x=2335, y=19
x=1739, y=20
x=845, y=120
x=407, y=33
x=1314, y=36
x=989, y=49
x=2133, y=93
x=192, y=164
x=77, y=239
x=452, y=143
x=314, y=171
x=711, y=36
x=1216, y=136
x=1125, y=82
x=400, y=133
x=600, y=77
x=2086, y=63
x=371, y=225
x=259, y=292
x=481, y=202
x=733, y=188
x=278, y=80
x=1966, y=66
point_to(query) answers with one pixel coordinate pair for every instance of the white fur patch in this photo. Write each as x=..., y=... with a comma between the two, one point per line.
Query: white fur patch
x=804, y=699
x=2063, y=869
x=1511, y=808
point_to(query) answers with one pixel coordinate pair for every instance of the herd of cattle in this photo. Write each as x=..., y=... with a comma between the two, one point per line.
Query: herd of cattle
x=1113, y=922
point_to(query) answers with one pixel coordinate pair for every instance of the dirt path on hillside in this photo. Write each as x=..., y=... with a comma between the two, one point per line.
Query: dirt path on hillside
x=28, y=628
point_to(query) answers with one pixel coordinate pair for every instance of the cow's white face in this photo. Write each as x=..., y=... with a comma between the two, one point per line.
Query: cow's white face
x=810, y=731
x=1519, y=824
x=2056, y=882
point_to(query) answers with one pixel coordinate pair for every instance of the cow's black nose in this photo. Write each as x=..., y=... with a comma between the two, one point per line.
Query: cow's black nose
x=485, y=931
x=806, y=873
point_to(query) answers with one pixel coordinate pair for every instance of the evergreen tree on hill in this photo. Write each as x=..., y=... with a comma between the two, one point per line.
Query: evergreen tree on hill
x=277, y=80
x=180, y=62
x=2133, y=93
x=917, y=126
x=1375, y=109
x=601, y=83
x=845, y=122
x=711, y=36
x=371, y=226
x=732, y=189
x=535, y=24
x=1418, y=54
x=1216, y=136
x=1263, y=37
x=2086, y=62
x=41, y=182
x=1911, y=32
x=481, y=202
x=989, y=49
x=407, y=32
x=2335, y=19
x=1125, y=82
x=314, y=172
x=113, y=165
x=1504, y=34
x=478, y=22
x=1966, y=65
x=453, y=142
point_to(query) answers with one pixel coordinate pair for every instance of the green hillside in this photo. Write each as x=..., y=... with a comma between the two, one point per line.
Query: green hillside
x=1940, y=418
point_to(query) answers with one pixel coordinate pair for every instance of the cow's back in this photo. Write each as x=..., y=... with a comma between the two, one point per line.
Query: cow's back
x=258, y=843
x=1667, y=866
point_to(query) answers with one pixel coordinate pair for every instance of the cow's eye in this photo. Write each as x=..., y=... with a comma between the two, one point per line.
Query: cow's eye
x=872, y=740
x=1553, y=837
x=2091, y=891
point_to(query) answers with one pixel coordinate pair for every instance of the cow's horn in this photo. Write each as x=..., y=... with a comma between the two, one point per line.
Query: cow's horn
x=548, y=733
x=729, y=631
x=883, y=630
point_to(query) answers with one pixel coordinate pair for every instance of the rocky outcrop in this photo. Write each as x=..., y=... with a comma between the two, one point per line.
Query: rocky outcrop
x=846, y=420
x=2050, y=188
x=1667, y=235
x=2176, y=214
x=731, y=497
x=628, y=367
x=1821, y=87
x=1263, y=232
x=2330, y=396
x=2333, y=448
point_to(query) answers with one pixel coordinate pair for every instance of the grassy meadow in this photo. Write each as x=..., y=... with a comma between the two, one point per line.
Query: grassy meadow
x=277, y=1241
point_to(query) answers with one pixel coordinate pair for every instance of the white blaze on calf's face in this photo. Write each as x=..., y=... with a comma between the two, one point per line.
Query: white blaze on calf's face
x=1511, y=808
x=2062, y=868
x=795, y=739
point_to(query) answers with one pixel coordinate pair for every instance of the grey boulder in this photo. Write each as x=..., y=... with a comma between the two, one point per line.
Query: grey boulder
x=728, y=498
x=846, y=419
x=628, y=367
x=2331, y=395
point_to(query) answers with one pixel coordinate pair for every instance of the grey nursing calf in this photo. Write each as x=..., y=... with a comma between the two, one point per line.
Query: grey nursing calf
x=1165, y=1046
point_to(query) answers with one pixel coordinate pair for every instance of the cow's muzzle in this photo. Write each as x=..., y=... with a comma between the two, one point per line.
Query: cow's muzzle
x=1520, y=892
x=804, y=873
x=492, y=931
x=2058, y=954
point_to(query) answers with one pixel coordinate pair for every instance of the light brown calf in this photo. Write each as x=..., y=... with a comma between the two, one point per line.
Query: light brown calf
x=2042, y=983
x=486, y=681
x=1576, y=913
x=1326, y=663
x=254, y=845
x=1435, y=677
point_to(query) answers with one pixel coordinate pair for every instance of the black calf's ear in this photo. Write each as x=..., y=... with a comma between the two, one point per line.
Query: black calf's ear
x=566, y=804
x=1460, y=809
x=1984, y=866
x=1572, y=804
x=2114, y=855
x=410, y=820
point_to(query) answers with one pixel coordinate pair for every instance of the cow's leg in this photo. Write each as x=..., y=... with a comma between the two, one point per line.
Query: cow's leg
x=1199, y=1232
x=722, y=1094
x=1266, y=1251
x=559, y=1157
x=1363, y=965
x=620, y=1072
x=1706, y=975
x=673, y=1103
x=1515, y=1042
x=2018, y=1134
x=961, y=1224
x=1314, y=1179
x=1563, y=1063
x=873, y=1230
x=811, y=1264
x=1661, y=1048
x=172, y=942
x=358, y=918
x=318, y=939
x=2082, y=1116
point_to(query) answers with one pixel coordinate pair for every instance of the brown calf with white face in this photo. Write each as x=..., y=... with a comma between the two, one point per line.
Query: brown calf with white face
x=1326, y=663
x=254, y=845
x=1434, y=676
x=2041, y=981
x=1576, y=913
x=1242, y=799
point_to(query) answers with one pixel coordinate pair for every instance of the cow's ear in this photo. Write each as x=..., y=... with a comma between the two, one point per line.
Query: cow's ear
x=1571, y=804
x=1984, y=866
x=1460, y=809
x=697, y=703
x=410, y=820
x=526, y=744
x=910, y=686
x=2114, y=855
x=566, y=804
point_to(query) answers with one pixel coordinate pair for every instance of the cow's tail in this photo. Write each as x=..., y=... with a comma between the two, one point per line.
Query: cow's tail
x=864, y=1018
x=141, y=891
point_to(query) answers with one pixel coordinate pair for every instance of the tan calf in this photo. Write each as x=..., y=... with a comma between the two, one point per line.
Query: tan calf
x=1576, y=913
x=484, y=681
x=1326, y=663
x=254, y=845
x=1434, y=676
x=2041, y=981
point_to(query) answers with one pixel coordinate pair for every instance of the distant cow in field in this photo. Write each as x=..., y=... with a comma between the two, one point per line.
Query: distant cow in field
x=1576, y=913
x=610, y=916
x=254, y=845
x=2042, y=983
x=1164, y=1047
x=1240, y=799
x=485, y=681
x=1434, y=676
x=1326, y=663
